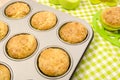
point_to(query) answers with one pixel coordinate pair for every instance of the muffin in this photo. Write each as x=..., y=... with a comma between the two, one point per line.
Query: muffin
x=110, y=17
x=21, y=46
x=73, y=32
x=17, y=10
x=4, y=73
x=53, y=62
x=43, y=20
x=3, y=30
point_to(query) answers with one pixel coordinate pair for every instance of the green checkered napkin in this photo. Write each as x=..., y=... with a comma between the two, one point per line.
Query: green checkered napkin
x=102, y=59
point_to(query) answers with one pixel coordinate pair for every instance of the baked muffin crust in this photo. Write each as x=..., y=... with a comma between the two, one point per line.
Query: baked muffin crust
x=21, y=46
x=4, y=73
x=43, y=20
x=73, y=32
x=3, y=29
x=111, y=17
x=53, y=62
x=17, y=10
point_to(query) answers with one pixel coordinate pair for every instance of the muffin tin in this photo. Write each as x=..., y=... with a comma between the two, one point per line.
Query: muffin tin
x=27, y=69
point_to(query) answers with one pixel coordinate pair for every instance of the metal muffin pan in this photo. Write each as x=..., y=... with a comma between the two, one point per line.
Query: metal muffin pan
x=26, y=69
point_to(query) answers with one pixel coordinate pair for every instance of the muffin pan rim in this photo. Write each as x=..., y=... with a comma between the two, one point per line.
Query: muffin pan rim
x=22, y=59
x=53, y=77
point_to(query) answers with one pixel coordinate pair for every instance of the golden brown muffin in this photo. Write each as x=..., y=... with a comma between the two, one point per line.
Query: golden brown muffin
x=53, y=62
x=4, y=73
x=21, y=46
x=73, y=32
x=43, y=20
x=3, y=29
x=111, y=17
x=17, y=10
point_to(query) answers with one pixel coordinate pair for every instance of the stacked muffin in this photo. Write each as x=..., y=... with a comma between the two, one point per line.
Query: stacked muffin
x=110, y=17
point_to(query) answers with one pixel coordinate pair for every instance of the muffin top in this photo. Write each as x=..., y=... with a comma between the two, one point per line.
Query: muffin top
x=3, y=29
x=53, y=62
x=43, y=20
x=4, y=73
x=111, y=17
x=73, y=32
x=17, y=10
x=21, y=46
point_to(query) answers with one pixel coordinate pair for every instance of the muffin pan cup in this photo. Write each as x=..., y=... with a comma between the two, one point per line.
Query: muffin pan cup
x=9, y=68
x=17, y=17
x=7, y=31
x=20, y=59
x=55, y=77
x=26, y=69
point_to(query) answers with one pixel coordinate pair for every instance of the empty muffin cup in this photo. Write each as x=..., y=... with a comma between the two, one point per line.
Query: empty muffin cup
x=21, y=46
x=3, y=29
x=53, y=62
x=43, y=20
x=73, y=32
x=5, y=73
x=17, y=10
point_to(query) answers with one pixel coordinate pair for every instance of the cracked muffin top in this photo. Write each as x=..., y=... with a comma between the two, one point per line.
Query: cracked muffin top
x=17, y=10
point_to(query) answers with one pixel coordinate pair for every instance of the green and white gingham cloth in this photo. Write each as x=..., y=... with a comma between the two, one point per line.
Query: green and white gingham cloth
x=102, y=59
